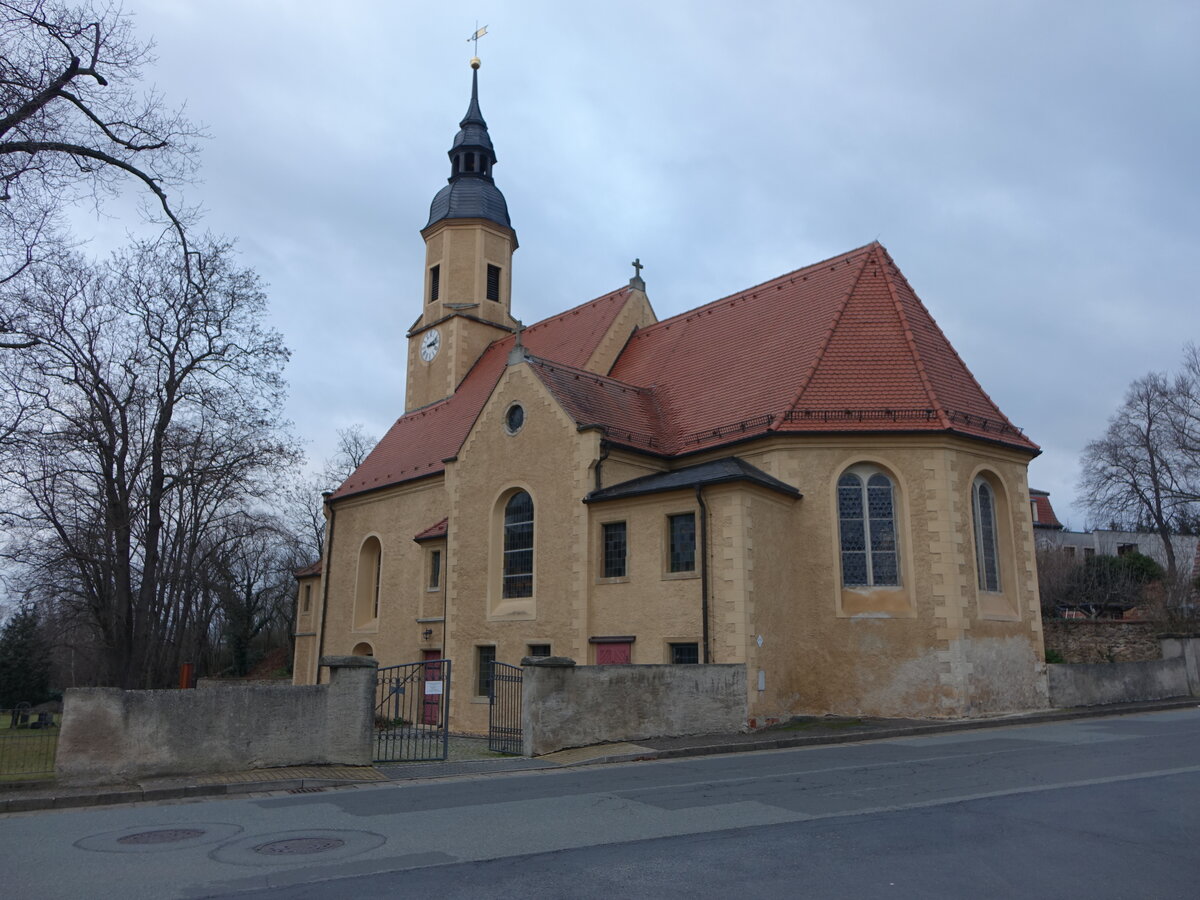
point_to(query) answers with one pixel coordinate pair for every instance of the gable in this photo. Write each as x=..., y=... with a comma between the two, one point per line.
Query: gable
x=418, y=443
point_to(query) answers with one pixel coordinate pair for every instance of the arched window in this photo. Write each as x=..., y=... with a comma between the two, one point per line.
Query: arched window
x=366, y=597
x=987, y=556
x=867, y=525
x=518, y=546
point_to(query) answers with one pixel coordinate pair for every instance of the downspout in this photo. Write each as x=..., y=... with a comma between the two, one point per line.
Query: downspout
x=703, y=569
x=325, y=572
x=604, y=448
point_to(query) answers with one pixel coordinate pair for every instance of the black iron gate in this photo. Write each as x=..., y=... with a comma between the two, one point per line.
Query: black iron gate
x=412, y=711
x=504, y=709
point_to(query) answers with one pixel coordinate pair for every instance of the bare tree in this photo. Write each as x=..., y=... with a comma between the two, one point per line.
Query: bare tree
x=1145, y=471
x=152, y=400
x=304, y=496
x=75, y=121
x=76, y=124
x=256, y=560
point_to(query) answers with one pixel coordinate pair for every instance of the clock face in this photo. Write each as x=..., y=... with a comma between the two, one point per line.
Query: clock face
x=430, y=344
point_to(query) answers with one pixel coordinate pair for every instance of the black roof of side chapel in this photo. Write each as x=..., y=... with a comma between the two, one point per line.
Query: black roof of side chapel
x=719, y=471
x=471, y=193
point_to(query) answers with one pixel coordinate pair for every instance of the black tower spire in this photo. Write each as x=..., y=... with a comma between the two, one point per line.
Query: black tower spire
x=471, y=193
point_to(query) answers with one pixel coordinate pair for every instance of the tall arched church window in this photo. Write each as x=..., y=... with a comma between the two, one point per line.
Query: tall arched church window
x=370, y=570
x=518, y=546
x=987, y=556
x=867, y=526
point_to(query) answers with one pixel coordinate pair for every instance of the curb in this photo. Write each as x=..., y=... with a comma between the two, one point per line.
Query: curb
x=139, y=794
x=854, y=737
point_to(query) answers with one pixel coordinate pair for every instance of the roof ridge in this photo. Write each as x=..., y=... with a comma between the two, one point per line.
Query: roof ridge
x=967, y=369
x=934, y=401
x=574, y=309
x=586, y=373
x=742, y=294
x=837, y=317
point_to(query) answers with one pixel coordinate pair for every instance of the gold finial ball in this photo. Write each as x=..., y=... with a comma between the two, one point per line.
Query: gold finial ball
x=474, y=62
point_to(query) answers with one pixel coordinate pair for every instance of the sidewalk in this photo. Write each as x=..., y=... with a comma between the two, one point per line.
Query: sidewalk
x=470, y=757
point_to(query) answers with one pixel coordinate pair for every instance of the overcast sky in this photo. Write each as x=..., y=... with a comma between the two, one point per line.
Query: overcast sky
x=1031, y=166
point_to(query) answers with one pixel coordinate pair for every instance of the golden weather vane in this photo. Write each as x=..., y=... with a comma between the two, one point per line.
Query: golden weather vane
x=479, y=32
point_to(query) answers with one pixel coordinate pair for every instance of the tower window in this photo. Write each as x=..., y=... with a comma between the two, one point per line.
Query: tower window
x=435, y=282
x=493, y=282
x=469, y=162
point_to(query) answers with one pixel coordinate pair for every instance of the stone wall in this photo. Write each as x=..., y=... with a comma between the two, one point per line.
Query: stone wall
x=1176, y=673
x=1095, y=684
x=1089, y=641
x=111, y=735
x=564, y=705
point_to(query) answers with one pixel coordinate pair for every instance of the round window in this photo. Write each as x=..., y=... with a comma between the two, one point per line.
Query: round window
x=514, y=418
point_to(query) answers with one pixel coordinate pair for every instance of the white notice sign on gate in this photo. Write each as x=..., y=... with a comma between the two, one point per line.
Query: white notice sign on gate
x=433, y=687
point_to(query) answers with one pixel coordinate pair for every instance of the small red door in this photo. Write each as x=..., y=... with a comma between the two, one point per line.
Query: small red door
x=432, y=688
x=613, y=654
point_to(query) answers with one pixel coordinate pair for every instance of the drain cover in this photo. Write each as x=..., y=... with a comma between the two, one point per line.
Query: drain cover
x=301, y=845
x=163, y=836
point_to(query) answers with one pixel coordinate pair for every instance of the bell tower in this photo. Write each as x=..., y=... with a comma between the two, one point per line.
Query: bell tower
x=469, y=243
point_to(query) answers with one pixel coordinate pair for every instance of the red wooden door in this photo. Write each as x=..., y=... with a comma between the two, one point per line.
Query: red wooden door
x=613, y=654
x=431, y=706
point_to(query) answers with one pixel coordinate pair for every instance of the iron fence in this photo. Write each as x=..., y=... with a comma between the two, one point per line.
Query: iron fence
x=504, y=709
x=28, y=741
x=412, y=712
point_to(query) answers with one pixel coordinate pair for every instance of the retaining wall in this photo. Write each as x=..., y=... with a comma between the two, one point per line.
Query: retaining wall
x=564, y=705
x=1175, y=674
x=113, y=735
x=1101, y=640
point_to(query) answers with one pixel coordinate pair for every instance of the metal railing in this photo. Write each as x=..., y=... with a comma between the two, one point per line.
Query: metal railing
x=28, y=741
x=504, y=709
x=412, y=712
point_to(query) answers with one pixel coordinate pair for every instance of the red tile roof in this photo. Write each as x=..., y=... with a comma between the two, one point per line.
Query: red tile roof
x=433, y=532
x=841, y=345
x=309, y=571
x=1045, y=512
x=416, y=445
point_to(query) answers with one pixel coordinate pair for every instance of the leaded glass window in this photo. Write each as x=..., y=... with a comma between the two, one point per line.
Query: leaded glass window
x=867, y=529
x=987, y=557
x=683, y=542
x=518, y=546
x=614, y=549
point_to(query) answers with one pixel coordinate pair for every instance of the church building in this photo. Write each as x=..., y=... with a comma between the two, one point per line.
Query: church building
x=802, y=477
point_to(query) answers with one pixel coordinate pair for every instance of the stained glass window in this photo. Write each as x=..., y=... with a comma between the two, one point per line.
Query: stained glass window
x=867, y=529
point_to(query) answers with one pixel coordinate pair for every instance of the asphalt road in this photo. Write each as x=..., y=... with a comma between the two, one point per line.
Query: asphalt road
x=1088, y=808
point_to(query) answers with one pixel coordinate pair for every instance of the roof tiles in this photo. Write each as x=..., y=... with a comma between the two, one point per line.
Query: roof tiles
x=841, y=345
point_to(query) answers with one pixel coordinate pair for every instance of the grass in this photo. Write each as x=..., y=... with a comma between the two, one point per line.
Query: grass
x=26, y=753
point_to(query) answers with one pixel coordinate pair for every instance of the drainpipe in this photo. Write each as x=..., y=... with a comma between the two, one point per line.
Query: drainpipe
x=703, y=568
x=604, y=448
x=325, y=572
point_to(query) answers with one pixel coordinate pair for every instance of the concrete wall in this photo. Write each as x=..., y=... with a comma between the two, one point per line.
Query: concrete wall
x=568, y=706
x=1176, y=674
x=113, y=735
x=1095, y=684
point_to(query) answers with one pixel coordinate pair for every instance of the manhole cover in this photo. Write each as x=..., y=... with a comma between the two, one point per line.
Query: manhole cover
x=299, y=846
x=163, y=836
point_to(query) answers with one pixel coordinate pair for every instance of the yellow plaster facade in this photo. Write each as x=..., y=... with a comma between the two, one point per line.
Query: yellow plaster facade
x=765, y=586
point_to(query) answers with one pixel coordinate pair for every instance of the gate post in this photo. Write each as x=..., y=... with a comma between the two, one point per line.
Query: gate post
x=350, y=707
x=535, y=687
